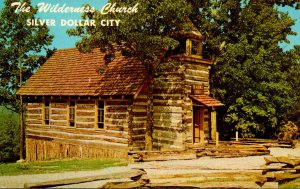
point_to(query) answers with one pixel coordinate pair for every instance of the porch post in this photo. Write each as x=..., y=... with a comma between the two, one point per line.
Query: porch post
x=213, y=123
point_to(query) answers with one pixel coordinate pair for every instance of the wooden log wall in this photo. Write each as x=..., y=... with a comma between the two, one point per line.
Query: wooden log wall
x=85, y=115
x=33, y=115
x=84, y=140
x=168, y=113
x=58, y=114
x=197, y=74
x=194, y=74
x=138, y=122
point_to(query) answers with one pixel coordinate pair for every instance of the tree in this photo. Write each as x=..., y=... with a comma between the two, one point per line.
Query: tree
x=20, y=49
x=250, y=75
x=293, y=77
x=142, y=34
x=21, y=46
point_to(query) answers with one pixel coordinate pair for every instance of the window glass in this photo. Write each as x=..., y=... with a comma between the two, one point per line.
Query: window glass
x=47, y=112
x=195, y=45
x=72, y=114
x=101, y=114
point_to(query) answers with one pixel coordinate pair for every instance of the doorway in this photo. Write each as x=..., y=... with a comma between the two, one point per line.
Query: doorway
x=198, y=118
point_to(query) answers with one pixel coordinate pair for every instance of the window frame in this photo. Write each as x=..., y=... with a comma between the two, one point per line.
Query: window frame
x=97, y=110
x=189, y=47
x=46, y=122
x=69, y=113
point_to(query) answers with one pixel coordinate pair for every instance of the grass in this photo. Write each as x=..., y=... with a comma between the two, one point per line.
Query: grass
x=57, y=166
x=6, y=114
x=292, y=184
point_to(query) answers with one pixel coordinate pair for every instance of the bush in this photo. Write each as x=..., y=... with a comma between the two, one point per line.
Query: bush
x=9, y=136
x=289, y=132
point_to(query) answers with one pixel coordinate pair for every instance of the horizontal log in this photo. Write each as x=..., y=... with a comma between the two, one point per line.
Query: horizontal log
x=191, y=82
x=58, y=117
x=141, y=110
x=168, y=155
x=139, y=131
x=34, y=105
x=171, y=122
x=58, y=111
x=85, y=106
x=197, y=78
x=123, y=184
x=116, y=115
x=139, y=119
x=169, y=109
x=118, y=103
x=138, y=143
x=284, y=177
x=86, y=113
x=167, y=116
x=58, y=105
x=34, y=116
x=34, y=111
x=33, y=125
x=136, y=106
x=33, y=121
x=139, y=114
x=200, y=73
x=85, y=125
x=201, y=67
x=116, y=127
x=177, y=90
x=168, y=102
x=167, y=96
x=138, y=137
x=139, y=125
x=64, y=135
x=85, y=119
x=109, y=131
x=121, y=122
x=163, y=128
x=140, y=101
x=116, y=109
x=119, y=175
x=58, y=123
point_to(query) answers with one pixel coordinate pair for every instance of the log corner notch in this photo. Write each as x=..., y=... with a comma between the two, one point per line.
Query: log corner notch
x=278, y=170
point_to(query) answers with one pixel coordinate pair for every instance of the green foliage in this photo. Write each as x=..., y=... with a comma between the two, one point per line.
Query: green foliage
x=251, y=72
x=142, y=34
x=166, y=70
x=57, y=166
x=252, y=75
x=20, y=47
x=9, y=135
x=293, y=75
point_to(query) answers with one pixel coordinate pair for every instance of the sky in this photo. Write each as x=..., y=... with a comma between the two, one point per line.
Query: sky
x=62, y=40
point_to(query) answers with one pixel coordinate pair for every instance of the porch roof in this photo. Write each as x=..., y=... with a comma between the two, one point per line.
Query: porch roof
x=206, y=100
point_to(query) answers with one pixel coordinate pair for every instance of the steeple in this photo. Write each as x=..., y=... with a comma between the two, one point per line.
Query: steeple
x=190, y=40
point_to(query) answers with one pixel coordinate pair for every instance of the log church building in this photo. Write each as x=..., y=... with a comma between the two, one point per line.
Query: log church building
x=76, y=109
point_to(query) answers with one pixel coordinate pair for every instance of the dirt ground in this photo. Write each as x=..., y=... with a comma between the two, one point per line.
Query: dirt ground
x=168, y=170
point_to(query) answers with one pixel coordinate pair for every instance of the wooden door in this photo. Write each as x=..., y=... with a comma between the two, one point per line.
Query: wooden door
x=197, y=123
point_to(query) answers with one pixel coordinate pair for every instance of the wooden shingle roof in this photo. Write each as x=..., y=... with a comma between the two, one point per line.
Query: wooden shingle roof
x=71, y=73
x=206, y=100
